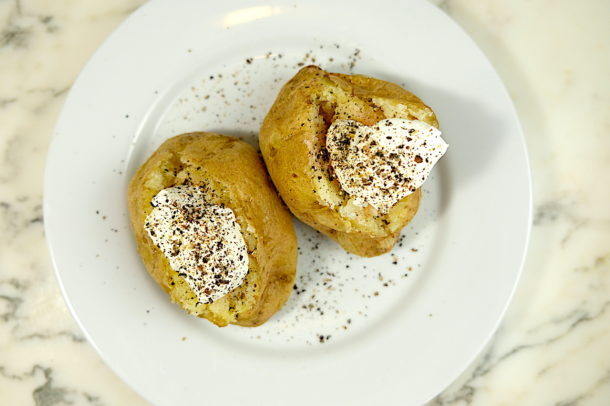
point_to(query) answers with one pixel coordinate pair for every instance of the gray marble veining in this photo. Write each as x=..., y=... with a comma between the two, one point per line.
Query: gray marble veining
x=552, y=347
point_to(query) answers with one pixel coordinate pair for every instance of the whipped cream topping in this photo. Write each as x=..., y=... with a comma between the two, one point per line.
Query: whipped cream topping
x=202, y=241
x=380, y=165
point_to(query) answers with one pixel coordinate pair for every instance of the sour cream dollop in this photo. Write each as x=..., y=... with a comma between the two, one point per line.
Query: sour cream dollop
x=380, y=165
x=201, y=241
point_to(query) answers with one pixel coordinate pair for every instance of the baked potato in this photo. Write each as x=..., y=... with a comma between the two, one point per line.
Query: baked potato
x=293, y=144
x=226, y=173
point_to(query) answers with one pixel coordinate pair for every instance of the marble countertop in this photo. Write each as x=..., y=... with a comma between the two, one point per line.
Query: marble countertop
x=553, y=347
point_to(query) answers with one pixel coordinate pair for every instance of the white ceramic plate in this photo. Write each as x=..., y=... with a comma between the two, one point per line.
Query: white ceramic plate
x=390, y=330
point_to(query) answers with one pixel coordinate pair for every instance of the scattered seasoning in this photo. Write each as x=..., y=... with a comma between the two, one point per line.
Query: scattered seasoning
x=353, y=59
x=324, y=278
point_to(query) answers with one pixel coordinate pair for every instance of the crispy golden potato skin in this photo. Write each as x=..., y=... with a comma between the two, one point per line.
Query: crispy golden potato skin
x=234, y=175
x=292, y=140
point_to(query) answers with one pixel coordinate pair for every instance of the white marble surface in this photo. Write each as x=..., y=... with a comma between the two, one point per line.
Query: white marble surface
x=553, y=348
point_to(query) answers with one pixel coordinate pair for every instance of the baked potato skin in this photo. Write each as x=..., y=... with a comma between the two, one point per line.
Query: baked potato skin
x=293, y=136
x=234, y=175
